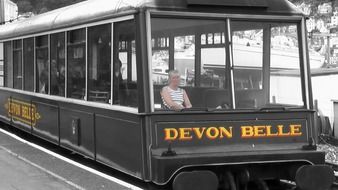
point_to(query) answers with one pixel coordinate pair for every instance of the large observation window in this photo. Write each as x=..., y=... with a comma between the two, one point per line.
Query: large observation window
x=285, y=75
x=196, y=49
x=263, y=67
x=247, y=46
x=266, y=64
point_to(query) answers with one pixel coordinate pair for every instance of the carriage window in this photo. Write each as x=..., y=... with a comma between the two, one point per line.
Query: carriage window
x=196, y=49
x=247, y=38
x=124, y=66
x=17, y=64
x=28, y=64
x=8, y=53
x=99, y=58
x=285, y=78
x=271, y=77
x=57, y=70
x=1, y=64
x=76, y=59
x=42, y=64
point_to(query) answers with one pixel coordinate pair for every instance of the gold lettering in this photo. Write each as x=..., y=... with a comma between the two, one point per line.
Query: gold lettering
x=281, y=131
x=269, y=133
x=198, y=132
x=259, y=131
x=185, y=134
x=212, y=133
x=225, y=132
x=170, y=134
x=16, y=109
x=295, y=130
x=247, y=131
x=26, y=112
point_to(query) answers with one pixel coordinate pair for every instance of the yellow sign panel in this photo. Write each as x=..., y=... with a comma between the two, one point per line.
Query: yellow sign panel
x=22, y=111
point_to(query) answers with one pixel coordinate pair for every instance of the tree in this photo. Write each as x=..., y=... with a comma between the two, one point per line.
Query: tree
x=25, y=6
x=41, y=6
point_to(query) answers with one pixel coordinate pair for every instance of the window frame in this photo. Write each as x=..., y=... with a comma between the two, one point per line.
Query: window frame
x=109, y=106
x=299, y=21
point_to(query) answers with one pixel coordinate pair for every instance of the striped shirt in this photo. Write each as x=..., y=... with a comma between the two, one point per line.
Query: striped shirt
x=176, y=96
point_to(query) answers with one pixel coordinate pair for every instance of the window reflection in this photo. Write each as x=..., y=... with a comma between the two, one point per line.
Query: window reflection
x=125, y=75
x=213, y=63
x=17, y=64
x=57, y=75
x=42, y=64
x=285, y=78
x=8, y=58
x=76, y=59
x=198, y=47
x=254, y=86
x=99, y=58
x=185, y=58
x=28, y=63
x=160, y=60
x=247, y=38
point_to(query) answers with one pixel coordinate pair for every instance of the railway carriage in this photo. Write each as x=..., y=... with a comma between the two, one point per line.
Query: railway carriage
x=88, y=77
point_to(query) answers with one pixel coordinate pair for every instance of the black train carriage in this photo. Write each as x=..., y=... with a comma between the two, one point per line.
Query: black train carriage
x=87, y=77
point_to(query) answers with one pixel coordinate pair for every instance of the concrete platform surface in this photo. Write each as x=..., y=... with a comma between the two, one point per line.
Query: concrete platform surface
x=24, y=167
x=17, y=174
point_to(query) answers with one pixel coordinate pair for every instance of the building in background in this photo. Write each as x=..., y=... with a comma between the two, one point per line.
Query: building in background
x=311, y=24
x=325, y=8
x=8, y=11
x=334, y=19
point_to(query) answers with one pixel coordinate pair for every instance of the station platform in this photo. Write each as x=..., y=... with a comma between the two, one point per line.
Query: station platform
x=24, y=165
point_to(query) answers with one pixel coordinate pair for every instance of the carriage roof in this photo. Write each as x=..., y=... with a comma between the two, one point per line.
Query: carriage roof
x=96, y=10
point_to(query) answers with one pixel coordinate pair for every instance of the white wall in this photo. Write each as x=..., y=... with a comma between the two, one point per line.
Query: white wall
x=325, y=89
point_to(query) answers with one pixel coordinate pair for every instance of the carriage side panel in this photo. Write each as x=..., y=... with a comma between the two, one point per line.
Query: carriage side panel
x=118, y=143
